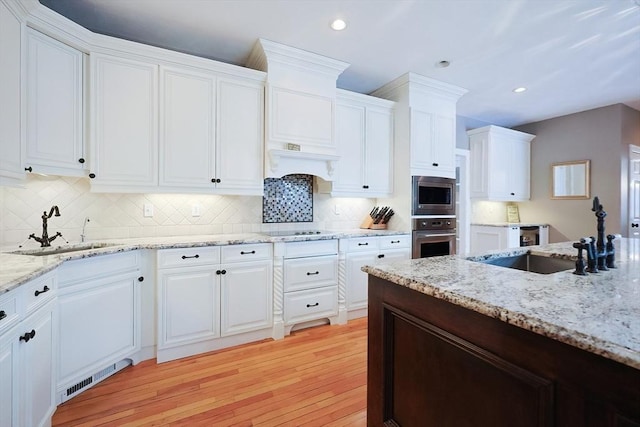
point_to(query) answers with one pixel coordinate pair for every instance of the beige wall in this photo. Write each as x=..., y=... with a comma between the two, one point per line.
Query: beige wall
x=601, y=135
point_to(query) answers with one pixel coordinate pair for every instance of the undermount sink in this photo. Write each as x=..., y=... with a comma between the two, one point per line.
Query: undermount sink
x=532, y=263
x=55, y=250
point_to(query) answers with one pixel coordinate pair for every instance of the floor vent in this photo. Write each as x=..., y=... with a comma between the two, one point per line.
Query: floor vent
x=93, y=379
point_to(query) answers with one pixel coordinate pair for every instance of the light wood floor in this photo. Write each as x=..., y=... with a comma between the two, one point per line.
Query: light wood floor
x=315, y=377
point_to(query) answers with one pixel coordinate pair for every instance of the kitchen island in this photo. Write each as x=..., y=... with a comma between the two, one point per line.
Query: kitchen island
x=457, y=342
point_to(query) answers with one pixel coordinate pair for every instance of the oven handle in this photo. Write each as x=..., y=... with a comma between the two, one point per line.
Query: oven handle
x=427, y=234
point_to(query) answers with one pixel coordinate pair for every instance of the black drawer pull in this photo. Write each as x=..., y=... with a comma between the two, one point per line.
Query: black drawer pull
x=312, y=274
x=363, y=244
x=193, y=256
x=313, y=305
x=141, y=279
x=247, y=253
x=2, y=314
x=28, y=335
x=395, y=241
x=29, y=169
x=435, y=164
x=381, y=256
x=45, y=289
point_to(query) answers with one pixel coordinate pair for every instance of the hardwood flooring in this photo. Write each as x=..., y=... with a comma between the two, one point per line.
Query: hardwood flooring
x=314, y=377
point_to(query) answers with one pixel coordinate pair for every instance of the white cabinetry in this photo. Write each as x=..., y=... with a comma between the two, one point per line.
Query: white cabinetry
x=99, y=301
x=211, y=132
x=489, y=237
x=362, y=251
x=27, y=358
x=364, y=136
x=55, y=114
x=500, y=164
x=433, y=141
x=124, y=123
x=11, y=98
x=212, y=297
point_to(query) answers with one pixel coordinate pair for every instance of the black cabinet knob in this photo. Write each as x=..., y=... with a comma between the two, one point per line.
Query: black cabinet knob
x=218, y=272
x=513, y=194
x=92, y=175
x=3, y=314
x=218, y=180
x=381, y=256
x=45, y=289
x=28, y=336
x=365, y=186
x=29, y=169
x=141, y=279
x=80, y=160
x=224, y=272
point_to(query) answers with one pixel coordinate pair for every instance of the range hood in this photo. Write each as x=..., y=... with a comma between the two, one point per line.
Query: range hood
x=299, y=109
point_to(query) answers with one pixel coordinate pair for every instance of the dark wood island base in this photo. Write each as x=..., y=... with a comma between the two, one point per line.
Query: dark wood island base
x=432, y=363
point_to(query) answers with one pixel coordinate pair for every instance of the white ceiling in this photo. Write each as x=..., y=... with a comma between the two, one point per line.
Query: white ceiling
x=572, y=55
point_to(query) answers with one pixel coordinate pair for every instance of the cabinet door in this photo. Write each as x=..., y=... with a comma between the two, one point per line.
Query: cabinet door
x=512, y=239
x=485, y=238
x=188, y=301
x=350, y=140
x=246, y=297
x=11, y=153
x=444, y=144
x=379, y=151
x=54, y=106
x=239, y=141
x=519, y=166
x=37, y=372
x=421, y=133
x=99, y=325
x=8, y=379
x=187, y=117
x=357, y=279
x=432, y=144
x=124, y=114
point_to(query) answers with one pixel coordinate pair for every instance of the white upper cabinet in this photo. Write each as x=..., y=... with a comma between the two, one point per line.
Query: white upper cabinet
x=433, y=143
x=54, y=82
x=11, y=148
x=124, y=121
x=500, y=164
x=364, y=136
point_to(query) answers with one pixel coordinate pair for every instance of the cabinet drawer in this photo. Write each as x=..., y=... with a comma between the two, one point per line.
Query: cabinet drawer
x=312, y=272
x=302, y=306
x=395, y=242
x=81, y=270
x=362, y=244
x=8, y=310
x=311, y=248
x=183, y=257
x=240, y=253
x=40, y=291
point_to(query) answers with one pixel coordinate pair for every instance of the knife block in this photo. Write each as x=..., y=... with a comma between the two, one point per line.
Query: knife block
x=378, y=226
x=367, y=223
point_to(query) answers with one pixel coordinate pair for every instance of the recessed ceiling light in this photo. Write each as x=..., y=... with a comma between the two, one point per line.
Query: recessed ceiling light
x=520, y=89
x=338, y=25
x=443, y=64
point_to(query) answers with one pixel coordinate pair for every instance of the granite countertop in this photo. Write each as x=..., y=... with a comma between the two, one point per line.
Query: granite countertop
x=599, y=313
x=510, y=224
x=17, y=269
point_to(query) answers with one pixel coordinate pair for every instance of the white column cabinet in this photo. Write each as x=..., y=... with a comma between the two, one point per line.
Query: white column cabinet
x=11, y=98
x=500, y=164
x=55, y=114
x=124, y=122
x=364, y=137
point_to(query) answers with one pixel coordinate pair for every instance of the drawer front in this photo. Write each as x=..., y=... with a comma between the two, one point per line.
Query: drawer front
x=8, y=310
x=312, y=272
x=311, y=248
x=81, y=270
x=395, y=242
x=302, y=306
x=184, y=257
x=362, y=244
x=39, y=292
x=252, y=252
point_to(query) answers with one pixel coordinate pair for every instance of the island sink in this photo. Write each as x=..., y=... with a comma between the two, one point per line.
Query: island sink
x=532, y=263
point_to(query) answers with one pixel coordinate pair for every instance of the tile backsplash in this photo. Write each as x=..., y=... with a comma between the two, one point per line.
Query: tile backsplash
x=121, y=215
x=288, y=199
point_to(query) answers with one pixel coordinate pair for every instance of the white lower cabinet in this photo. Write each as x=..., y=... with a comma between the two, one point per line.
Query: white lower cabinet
x=487, y=237
x=213, y=297
x=368, y=251
x=27, y=341
x=99, y=320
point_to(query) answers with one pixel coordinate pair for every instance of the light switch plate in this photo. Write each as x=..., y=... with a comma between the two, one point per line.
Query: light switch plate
x=148, y=210
x=195, y=210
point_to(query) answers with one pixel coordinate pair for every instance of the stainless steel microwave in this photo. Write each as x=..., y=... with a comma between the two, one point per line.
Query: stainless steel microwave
x=433, y=196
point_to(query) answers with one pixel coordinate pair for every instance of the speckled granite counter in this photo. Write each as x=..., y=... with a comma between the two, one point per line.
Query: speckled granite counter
x=18, y=269
x=599, y=313
x=510, y=224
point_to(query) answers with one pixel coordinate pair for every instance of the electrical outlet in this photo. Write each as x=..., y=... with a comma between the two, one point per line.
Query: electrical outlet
x=148, y=210
x=195, y=210
x=336, y=209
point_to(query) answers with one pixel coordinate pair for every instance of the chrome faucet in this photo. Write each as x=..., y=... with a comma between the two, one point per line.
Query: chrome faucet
x=84, y=225
x=45, y=240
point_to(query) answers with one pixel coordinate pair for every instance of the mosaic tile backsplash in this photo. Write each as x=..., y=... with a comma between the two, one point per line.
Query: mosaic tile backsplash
x=288, y=199
x=116, y=216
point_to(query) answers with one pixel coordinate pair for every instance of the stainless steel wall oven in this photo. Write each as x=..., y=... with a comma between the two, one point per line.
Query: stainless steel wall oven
x=433, y=237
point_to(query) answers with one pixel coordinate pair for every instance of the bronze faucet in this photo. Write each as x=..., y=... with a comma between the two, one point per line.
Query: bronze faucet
x=45, y=240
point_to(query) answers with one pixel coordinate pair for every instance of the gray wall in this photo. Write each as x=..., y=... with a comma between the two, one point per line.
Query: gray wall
x=601, y=135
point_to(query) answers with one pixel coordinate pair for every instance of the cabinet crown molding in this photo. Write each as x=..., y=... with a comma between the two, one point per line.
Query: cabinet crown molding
x=417, y=82
x=497, y=130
